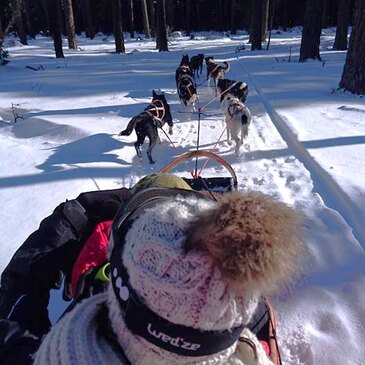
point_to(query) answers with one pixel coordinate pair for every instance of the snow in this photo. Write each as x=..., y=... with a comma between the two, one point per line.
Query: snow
x=305, y=146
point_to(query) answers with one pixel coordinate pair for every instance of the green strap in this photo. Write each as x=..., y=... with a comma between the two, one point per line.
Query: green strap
x=102, y=274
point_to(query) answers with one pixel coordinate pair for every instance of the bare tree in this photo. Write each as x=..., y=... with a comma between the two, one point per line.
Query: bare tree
x=118, y=29
x=70, y=24
x=233, y=24
x=161, y=36
x=151, y=6
x=146, y=23
x=53, y=8
x=44, y=4
x=16, y=8
x=131, y=18
x=28, y=18
x=312, y=29
x=1, y=32
x=343, y=16
x=353, y=76
x=88, y=18
x=170, y=13
x=188, y=17
x=256, y=25
x=265, y=18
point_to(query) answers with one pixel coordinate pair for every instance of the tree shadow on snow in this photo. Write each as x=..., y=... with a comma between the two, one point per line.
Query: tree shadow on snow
x=90, y=149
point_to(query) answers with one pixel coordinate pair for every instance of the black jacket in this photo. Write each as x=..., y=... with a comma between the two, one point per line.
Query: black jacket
x=39, y=265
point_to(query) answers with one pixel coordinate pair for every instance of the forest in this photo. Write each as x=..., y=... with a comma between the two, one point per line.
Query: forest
x=159, y=18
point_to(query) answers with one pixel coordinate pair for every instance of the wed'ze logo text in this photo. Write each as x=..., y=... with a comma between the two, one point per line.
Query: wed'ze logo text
x=174, y=341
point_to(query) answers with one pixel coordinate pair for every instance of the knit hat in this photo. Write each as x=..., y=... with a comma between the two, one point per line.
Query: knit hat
x=194, y=264
x=201, y=265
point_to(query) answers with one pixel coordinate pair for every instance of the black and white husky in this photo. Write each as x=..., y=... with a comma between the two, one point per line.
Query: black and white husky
x=238, y=119
x=237, y=89
x=146, y=124
x=187, y=91
x=185, y=83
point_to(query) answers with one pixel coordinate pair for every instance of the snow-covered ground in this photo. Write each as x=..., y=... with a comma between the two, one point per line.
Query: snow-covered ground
x=306, y=146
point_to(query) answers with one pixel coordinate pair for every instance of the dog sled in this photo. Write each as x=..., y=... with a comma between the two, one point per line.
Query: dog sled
x=197, y=182
x=264, y=322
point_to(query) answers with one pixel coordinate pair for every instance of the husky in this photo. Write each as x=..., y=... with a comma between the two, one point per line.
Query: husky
x=185, y=83
x=183, y=69
x=215, y=71
x=197, y=64
x=238, y=119
x=187, y=91
x=146, y=124
x=234, y=88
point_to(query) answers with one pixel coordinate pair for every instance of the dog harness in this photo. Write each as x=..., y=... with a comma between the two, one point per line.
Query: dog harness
x=183, y=86
x=154, y=111
x=235, y=106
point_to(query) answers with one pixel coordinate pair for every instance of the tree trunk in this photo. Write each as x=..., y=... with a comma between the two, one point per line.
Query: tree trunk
x=343, y=16
x=146, y=23
x=272, y=9
x=161, y=26
x=53, y=8
x=151, y=6
x=233, y=17
x=256, y=25
x=265, y=18
x=28, y=18
x=60, y=18
x=188, y=17
x=16, y=8
x=131, y=18
x=312, y=28
x=325, y=13
x=44, y=4
x=118, y=29
x=1, y=32
x=353, y=76
x=70, y=24
x=88, y=18
x=170, y=13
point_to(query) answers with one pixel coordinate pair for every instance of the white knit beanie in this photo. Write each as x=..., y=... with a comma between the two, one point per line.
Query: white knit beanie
x=192, y=288
x=195, y=263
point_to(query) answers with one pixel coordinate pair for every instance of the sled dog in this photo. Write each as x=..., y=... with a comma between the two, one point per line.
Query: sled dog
x=237, y=89
x=215, y=71
x=197, y=64
x=185, y=83
x=238, y=119
x=183, y=69
x=146, y=124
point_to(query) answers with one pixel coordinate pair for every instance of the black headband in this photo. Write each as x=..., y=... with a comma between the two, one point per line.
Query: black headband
x=141, y=320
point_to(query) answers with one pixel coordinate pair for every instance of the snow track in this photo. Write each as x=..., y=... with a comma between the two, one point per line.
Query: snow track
x=332, y=194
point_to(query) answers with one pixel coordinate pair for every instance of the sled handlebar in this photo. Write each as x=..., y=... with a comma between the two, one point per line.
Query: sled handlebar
x=201, y=153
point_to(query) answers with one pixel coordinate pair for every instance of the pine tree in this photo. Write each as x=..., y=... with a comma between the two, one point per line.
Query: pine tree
x=343, y=16
x=70, y=24
x=353, y=76
x=312, y=29
x=118, y=29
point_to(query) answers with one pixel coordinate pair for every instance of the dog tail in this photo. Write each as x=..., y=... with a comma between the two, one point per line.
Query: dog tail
x=228, y=66
x=131, y=125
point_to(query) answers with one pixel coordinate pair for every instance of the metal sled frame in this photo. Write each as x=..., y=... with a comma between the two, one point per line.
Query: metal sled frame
x=220, y=184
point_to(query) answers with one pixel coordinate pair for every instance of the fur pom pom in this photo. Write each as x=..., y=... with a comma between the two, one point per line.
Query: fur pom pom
x=252, y=238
